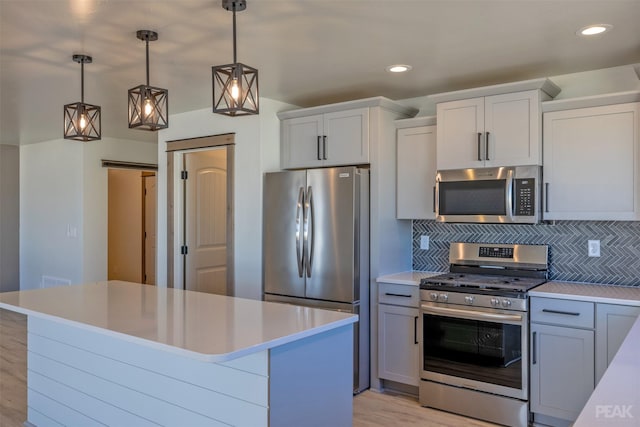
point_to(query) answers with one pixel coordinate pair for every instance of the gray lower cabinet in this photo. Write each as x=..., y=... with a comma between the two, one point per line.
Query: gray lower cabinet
x=562, y=359
x=613, y=323
x=562, y=376
x=398, y=349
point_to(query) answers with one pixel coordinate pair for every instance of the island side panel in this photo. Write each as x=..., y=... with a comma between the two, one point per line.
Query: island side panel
x=311, y=381
x=77, y=376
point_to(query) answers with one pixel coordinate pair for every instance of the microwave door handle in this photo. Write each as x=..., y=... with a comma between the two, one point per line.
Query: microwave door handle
x=510, y=202
x=434, y=199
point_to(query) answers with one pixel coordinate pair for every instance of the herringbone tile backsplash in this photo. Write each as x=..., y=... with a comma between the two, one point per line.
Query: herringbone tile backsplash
x=619, y=263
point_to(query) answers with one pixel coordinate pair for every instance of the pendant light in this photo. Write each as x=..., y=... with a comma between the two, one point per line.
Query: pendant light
x=82, y=122
x=235, y=86
x=148, y=105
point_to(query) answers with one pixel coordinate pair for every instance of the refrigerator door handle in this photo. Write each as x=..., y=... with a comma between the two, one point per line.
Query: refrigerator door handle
x=299, y=246
x=308, y=231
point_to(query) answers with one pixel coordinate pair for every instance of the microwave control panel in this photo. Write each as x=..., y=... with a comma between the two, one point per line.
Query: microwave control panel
x=525, y=197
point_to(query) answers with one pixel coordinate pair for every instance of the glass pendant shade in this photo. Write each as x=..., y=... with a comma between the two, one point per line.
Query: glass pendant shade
x=148, y=105
x=235, y=86
x=235, y=89
x=82, y=122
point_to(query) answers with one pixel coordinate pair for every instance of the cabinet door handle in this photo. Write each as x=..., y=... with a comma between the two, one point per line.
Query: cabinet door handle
x=486, y=147
x=434, y=198
x=546, y=197
x=324, y=146
x=319, y=158
x=415, y=330
x=479, y=147
x=389, y=294
x=534, y=358
x=566, y=313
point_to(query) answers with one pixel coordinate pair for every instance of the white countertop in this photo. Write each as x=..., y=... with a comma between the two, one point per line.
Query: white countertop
x=616, y=400
x=609, y=294
x=207, y=327
x=406, y=277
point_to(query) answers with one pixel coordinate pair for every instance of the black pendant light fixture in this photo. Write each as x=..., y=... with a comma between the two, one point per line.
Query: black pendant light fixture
x=148, y=105
x=82, y=122
x=235, y=86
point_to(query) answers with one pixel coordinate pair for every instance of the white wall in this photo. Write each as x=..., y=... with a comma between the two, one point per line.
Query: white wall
x=63, y=207
x=257, y=142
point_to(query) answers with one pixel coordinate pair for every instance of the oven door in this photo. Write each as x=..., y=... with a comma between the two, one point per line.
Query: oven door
x=477, y=348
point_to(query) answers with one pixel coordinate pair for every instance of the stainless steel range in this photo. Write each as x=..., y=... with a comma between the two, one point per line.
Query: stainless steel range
x=474, y=329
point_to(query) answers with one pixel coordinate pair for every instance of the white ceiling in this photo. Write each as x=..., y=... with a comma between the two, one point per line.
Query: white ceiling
x=308, y=52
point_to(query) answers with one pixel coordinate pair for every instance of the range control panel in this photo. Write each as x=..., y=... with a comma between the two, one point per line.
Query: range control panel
x=525, y=197
x=492, y=252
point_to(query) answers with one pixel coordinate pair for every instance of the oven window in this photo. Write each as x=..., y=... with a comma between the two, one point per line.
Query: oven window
x=486, y=197
x=477, y=350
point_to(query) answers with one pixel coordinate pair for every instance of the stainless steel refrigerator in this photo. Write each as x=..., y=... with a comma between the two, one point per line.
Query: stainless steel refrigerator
x=316, y=246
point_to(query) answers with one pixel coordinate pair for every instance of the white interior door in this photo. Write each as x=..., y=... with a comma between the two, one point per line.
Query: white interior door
x=150, y=229
x=206, y=221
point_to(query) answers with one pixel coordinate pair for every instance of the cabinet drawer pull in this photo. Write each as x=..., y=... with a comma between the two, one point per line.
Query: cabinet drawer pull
x=486, y=147
x=319, y=158
x=389, y=294
x=415, y=330
x=568, y=313
x=533, y=350
x=479, y=148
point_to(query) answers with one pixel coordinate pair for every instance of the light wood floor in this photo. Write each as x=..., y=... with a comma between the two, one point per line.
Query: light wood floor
x=13, y=369
x=370, y=409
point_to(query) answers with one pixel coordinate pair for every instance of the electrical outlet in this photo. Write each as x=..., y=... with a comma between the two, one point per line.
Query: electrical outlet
x=424, y=242
x=594, y=248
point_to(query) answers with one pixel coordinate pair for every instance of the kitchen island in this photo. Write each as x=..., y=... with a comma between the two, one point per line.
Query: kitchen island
x=616, y=400
x=118, y=353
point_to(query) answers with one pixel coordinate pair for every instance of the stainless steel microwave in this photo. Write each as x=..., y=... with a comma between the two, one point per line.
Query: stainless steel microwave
x=489, y=195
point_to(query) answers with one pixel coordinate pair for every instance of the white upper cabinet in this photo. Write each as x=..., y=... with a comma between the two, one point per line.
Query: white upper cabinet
x=460, y=134
x=331, y=139
x=416, y=169
x=498, y=130
x=503, y=127
x=307, y=133
x=336, y=134
x=591, y=163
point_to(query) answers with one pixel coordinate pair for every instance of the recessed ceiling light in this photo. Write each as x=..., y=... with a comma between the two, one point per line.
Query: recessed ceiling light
x=398, y=68
x=592, y=30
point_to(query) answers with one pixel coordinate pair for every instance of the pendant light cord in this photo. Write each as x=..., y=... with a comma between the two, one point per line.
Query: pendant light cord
x=235, y=60
x=82, y=81
x=147, y=41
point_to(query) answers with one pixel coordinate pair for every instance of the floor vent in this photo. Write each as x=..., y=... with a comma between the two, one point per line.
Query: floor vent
x=50, y=282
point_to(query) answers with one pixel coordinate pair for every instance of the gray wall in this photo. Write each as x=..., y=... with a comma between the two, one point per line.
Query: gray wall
x=619, y=263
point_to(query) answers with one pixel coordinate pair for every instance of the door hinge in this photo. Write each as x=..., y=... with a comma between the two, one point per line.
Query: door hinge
x=183, y=175
x=184, y=250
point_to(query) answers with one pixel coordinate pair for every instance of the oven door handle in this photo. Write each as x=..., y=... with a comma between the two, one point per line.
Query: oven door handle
x=471, y=314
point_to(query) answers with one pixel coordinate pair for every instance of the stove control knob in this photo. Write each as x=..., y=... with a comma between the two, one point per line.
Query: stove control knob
x=495, y=302
x=443, y=297
x=506, y=303
x=433, y=296
x=469, y=300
